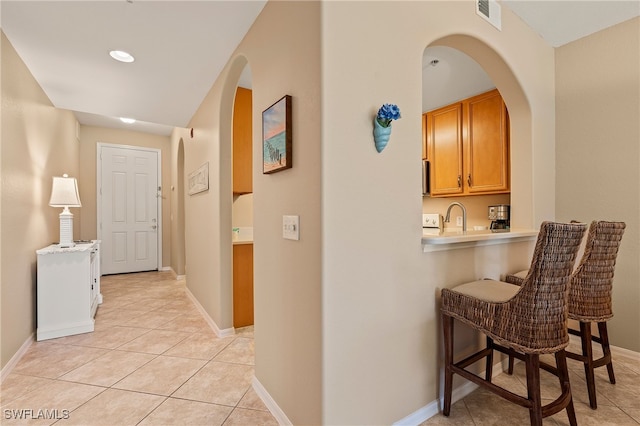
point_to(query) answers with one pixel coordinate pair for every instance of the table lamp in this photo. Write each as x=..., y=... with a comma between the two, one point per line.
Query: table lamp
x=64, y=193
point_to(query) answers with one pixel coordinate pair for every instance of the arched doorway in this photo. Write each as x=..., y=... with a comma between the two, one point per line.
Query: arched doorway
x=519, y=109
x=238, y=208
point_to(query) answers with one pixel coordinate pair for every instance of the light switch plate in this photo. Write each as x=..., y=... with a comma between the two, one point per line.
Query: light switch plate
x=291, y=227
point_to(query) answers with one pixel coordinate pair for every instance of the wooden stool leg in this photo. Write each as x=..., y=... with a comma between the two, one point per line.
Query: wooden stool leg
x=510, y=368
x=532, y=362
x=447, y=326
x=489, y=365
x=587, y=353
x=563, y=375
x=604, y=339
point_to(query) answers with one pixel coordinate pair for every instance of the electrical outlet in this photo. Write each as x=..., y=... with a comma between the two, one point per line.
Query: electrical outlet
x=430, y=220
x=458, y=220
x=291, y=227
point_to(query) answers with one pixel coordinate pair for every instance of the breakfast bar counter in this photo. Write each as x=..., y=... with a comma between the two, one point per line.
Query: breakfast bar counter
x=436, y=240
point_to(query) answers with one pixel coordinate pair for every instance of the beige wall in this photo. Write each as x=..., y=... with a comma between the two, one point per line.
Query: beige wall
x=38, y=142
x=598, y=152
x=89, y=138
x=283, y=50
x=477, y=208
x=347, y=328
x=381, y=328
x=242, y=210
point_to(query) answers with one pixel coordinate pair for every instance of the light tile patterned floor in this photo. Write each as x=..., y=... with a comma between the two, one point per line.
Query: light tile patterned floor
x=152, y=360
x=618, y=404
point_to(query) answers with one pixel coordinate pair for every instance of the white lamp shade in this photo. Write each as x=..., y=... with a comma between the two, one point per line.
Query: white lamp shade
x=64, y=192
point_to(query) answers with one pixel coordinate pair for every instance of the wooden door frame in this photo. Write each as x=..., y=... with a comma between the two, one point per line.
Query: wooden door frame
x=99, y=147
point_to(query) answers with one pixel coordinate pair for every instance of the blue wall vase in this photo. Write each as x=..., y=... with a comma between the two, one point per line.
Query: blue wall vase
x=380, y=135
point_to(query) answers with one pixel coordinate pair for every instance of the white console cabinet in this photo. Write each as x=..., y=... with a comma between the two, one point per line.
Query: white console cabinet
x=68, y=289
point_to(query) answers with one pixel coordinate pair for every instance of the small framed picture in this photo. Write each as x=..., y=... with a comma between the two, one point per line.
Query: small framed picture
x=277, y=139
x=199, y=179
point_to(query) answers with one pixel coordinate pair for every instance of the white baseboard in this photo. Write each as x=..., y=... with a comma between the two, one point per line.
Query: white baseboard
x=626, y=352
x=275, y=410
x=614, y=349
x=6, y=370
x=219, y=332
x=434, y=407
x=177, y=277
x=166, y=269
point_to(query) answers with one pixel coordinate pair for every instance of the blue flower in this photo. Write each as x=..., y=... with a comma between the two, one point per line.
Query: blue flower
x=387, y=113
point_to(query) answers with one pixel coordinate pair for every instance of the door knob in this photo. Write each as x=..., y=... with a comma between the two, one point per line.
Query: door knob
x=154, y=226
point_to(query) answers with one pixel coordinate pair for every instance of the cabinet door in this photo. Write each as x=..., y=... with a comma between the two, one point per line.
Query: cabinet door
x=242, y=285
x=425, y=149
x=242, y=142
x=444, y=140
x=487, y=147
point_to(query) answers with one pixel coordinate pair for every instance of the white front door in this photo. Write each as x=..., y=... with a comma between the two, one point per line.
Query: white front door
x=128, y=195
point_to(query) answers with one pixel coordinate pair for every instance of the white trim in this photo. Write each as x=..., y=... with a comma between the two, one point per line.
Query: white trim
x=166, y=269
x=6, y=370
x=433, y=408
x=219, y=332
x=614, y=349
x=275, y=410
x=176, y=276
x=99, y=146
x=626, y=352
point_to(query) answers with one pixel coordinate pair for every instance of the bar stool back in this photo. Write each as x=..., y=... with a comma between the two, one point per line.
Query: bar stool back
x=590, y=298
x=523, y=321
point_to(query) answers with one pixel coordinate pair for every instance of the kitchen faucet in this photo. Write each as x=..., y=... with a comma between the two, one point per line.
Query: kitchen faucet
x=464, y=215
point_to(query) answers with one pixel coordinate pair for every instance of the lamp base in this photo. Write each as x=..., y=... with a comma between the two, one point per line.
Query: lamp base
x=66, y=229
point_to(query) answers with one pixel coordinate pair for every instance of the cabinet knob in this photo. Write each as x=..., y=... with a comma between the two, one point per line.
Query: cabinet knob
x=459, y=181
x=469, y=179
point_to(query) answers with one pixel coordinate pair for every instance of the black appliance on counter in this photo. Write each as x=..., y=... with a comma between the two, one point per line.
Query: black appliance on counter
x=499, y=216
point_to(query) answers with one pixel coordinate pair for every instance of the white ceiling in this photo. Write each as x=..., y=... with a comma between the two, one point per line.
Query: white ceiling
x=562, y=21
x=181, y=47
x=456, y=76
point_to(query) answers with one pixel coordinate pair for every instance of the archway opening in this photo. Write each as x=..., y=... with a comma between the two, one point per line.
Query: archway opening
x=496, y=72
x=236, y=205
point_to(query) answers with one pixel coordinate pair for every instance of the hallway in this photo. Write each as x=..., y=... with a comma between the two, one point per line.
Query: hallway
x=152, y=360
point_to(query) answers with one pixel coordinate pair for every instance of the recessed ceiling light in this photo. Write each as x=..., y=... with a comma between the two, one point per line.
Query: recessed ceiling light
x=122, y=56
x=127, y=120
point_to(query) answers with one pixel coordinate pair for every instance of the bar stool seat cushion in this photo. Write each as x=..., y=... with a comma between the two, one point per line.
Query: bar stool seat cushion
x=488, y=290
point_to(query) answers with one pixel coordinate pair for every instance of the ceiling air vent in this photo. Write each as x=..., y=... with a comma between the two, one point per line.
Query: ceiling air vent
x=490, y=11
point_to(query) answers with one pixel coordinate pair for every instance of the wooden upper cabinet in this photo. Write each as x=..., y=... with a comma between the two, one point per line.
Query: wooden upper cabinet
x=487, y=144
x=467, y=145
x=444, y=139
x=425, y=152
x=242, y=142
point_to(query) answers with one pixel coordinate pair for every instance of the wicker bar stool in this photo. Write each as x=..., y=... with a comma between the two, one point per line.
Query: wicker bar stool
x=523, y=321
x=590, y=298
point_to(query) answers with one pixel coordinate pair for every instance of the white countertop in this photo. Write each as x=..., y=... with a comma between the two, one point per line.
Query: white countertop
x=435, y=240
x=242, y=241
x=78, y=247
